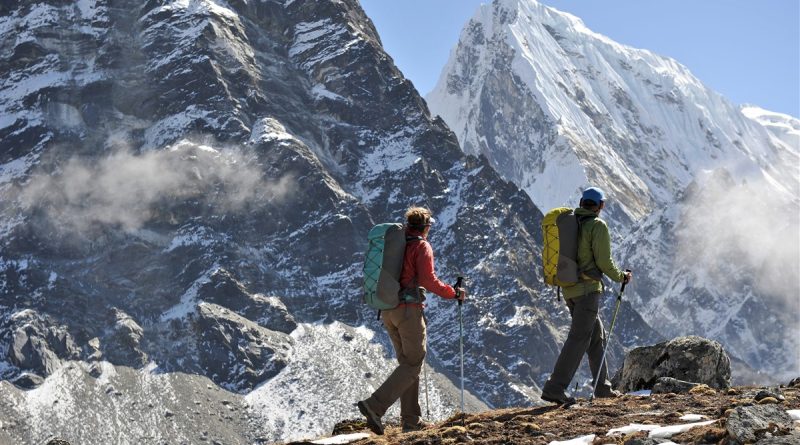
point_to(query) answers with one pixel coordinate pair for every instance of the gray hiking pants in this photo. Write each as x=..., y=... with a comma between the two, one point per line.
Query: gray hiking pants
x=406, y=328
x=586, y=336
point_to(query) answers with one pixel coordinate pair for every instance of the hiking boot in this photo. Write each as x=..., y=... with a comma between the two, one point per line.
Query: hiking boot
x=607, y=394
x=373, y=420
x=411, y=427
x=561, y=399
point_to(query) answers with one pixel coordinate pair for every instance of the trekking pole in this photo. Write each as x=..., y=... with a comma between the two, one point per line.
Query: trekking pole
x=461, y=342
x=608, y=339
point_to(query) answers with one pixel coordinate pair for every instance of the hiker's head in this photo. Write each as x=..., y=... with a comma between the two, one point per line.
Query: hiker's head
x=593, y=199
x=419, y=219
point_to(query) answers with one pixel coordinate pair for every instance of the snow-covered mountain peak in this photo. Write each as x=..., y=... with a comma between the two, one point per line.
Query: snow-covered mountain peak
x=580, y=100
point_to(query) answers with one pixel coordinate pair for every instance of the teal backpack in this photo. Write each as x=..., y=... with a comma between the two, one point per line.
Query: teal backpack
x=383, y=264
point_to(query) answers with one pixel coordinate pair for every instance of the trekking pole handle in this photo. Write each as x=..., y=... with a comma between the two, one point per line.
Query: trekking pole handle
x=457, y=288
x=624, y=283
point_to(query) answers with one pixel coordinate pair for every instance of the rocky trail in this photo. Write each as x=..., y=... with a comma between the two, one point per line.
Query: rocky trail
x=736, y=415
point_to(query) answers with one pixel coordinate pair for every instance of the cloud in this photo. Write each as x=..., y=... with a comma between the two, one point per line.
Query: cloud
x=127, y=190
x=739, y=231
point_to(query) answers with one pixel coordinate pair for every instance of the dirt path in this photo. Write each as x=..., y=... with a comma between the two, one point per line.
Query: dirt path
x=542, y=424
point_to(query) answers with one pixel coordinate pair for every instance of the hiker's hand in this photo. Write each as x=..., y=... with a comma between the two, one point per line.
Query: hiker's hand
x=628, y=277
x=461, y=294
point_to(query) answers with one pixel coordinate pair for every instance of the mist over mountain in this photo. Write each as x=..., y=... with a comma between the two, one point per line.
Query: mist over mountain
x=694, y=182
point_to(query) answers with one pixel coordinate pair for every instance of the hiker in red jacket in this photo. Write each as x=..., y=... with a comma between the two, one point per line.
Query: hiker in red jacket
x=407, y=328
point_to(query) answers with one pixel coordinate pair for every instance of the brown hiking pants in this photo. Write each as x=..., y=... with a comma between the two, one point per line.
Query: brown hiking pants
x=586, y=336
x=406, y=328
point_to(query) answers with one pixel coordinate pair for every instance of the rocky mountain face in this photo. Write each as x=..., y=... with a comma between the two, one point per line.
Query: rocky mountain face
x=693, y=181
x=186, y=192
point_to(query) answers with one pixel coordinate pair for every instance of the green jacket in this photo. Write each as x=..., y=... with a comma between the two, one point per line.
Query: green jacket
x=594, y=254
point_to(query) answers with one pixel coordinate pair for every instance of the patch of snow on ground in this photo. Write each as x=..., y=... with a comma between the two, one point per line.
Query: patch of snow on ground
x=632, y=428
x=643, y=392
x=342, y=439
x=693, y=417
x=582, y=440
x=794, y=414
x=665, y=432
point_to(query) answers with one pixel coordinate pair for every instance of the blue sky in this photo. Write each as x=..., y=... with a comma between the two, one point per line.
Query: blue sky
x=747, y=50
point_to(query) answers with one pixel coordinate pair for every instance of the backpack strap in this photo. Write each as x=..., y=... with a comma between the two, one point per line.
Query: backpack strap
x=404, y=291
x=581, y=220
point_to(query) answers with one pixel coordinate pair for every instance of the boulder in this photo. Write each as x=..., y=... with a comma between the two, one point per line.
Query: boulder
x=747, y=424
x=691, y=359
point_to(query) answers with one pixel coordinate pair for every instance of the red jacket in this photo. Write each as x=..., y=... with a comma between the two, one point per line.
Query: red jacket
x=418, y=261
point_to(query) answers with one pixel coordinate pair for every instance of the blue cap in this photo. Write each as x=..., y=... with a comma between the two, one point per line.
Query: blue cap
x=594, y=194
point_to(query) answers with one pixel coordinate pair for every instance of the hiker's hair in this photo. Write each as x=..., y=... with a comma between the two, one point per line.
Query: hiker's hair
x=418, y=218
x=588, y=204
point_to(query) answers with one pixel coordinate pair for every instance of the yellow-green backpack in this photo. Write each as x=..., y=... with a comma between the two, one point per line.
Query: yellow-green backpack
x=561, y=229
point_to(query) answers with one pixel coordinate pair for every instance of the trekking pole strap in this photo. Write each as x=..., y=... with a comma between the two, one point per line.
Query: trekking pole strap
x=457, y=288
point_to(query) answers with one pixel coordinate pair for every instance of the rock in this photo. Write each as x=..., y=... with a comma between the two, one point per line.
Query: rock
x=789, y=439
x=27, y=380
x=223, y=289
x=794, y=383
x=774, y=393
x=95, y=370
x=690, y=359
x=237, y=353
x=93, y=350
x=669, y=385
x=123, y=345
x=57, y=442
x=767, y=400
x=749, y=423
x=35, y=343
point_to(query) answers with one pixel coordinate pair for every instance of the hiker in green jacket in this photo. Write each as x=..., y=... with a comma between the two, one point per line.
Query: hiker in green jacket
x=586, y=333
